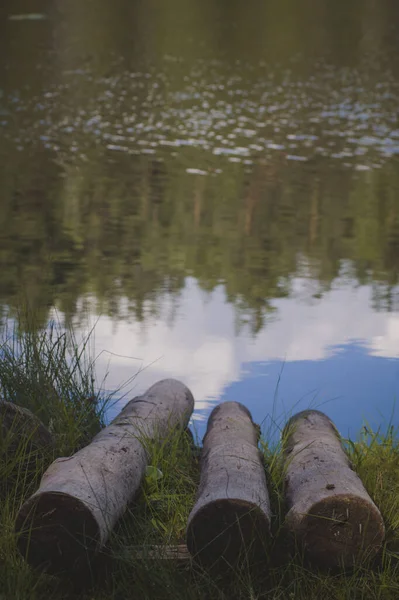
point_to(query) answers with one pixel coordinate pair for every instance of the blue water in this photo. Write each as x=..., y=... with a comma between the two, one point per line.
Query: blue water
x=336, y=354
x=351, y=386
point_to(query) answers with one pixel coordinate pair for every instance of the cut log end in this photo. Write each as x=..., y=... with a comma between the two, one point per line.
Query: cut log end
x=304, y=424
x=220, y=529
x=339, y=531
x=56, y=532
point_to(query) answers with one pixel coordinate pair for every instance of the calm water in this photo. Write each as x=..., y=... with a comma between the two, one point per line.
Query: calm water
x=215, y=184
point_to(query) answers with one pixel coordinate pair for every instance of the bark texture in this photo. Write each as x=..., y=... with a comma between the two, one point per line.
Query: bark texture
x=330, y=512
x=231, y=516
x=81, y=497
x=19, y=426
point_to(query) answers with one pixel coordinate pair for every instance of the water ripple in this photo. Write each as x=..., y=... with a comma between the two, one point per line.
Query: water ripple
x=340, y=114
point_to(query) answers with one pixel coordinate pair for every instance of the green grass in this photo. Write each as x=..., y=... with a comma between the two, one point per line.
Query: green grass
x=50, y=373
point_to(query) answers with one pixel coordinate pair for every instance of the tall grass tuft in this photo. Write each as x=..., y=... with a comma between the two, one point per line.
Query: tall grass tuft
x=51, y=373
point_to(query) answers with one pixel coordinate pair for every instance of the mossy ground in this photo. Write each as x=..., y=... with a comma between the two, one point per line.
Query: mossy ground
x=50, y=374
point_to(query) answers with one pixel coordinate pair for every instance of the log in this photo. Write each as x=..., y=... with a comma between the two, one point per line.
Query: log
x=22, y=429
x=231, y=516
x=164, y=553
x=80, y=498
x=330, y=512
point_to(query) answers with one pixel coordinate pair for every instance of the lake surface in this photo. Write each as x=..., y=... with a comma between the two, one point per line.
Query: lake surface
x=215, y=185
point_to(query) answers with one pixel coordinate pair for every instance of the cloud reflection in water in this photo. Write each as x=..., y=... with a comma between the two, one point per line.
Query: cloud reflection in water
x=335, y=353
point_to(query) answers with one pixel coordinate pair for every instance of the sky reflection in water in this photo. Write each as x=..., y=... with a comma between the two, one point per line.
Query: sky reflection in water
x=335, y=354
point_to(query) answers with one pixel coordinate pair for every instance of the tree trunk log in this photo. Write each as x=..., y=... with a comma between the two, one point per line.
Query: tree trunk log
x=330, y=512
x=231, y=517
x=81, y=497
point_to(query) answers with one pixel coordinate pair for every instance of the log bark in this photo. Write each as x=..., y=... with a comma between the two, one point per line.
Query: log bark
x=81, y=497
x=231, y=516
x=330, y=512
x=20, y=428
